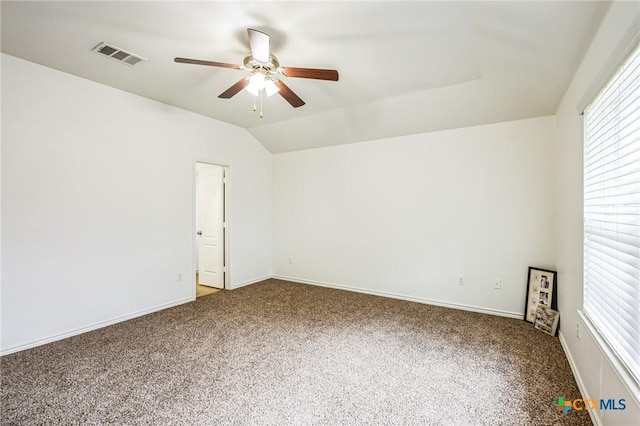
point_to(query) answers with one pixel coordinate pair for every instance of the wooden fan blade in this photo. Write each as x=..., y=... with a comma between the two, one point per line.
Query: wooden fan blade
x=233, y=90
x=315, y=73
x=288, y=94
x=259, y=43
x=208, y=63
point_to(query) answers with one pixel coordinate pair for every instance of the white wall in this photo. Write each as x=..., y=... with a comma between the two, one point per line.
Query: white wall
x=97, y=197
x=593, y=370
x=406, y=216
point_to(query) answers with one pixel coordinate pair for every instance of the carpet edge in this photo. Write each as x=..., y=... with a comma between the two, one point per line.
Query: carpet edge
x=249, y=282
x=95, y=326
x=462, y=307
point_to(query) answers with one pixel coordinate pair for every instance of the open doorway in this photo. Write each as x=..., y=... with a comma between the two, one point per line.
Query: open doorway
x=211, y=239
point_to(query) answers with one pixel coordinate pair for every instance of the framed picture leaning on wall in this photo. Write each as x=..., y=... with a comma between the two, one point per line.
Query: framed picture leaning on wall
x=541, y=290
x=547, y=320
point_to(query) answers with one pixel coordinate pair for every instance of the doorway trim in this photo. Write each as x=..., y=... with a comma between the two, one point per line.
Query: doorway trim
x=227, y=219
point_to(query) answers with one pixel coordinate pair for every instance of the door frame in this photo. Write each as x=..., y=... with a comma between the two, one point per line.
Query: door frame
x=227, y=219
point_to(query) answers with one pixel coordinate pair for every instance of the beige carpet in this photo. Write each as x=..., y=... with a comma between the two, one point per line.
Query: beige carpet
x=278, y=353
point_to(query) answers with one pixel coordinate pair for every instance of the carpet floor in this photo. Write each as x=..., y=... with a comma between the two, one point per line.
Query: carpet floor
x=277, y=353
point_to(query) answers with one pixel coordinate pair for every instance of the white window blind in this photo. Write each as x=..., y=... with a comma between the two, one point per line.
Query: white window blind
x=612, y=213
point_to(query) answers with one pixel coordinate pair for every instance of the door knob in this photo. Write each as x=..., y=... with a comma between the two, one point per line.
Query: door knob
x=199, y=232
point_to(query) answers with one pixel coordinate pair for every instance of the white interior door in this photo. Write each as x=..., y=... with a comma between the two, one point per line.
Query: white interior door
x=210, y=221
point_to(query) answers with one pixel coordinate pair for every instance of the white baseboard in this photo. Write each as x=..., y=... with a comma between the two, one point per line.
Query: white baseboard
x=595, y=418
x=516, y=315
x=91, y=327
x=253, y=281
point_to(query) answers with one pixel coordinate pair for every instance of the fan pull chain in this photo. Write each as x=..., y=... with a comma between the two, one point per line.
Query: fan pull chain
x=261, y=103
x=254, y=103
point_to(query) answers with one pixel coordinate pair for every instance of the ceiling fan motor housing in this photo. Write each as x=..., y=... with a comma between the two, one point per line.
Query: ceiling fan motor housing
x=268, y=68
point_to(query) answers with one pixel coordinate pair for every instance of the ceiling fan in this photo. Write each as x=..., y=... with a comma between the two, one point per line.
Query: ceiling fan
x=266, y=72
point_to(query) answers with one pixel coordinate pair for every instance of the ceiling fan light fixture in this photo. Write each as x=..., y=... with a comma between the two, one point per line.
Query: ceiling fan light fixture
x=256, y=84
x=270, y=87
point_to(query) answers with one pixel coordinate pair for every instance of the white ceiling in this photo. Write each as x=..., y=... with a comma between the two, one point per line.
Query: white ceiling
x=405, y=67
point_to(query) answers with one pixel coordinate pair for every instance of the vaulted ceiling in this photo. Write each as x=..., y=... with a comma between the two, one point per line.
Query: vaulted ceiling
x=405, y=67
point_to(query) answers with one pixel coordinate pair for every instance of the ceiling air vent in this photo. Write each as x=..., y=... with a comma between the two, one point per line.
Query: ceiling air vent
x=117, y=54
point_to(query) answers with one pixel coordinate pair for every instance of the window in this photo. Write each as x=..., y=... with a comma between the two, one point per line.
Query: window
x=612, y=213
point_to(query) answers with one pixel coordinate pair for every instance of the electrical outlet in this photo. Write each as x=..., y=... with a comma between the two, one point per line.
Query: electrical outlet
x=179, y=277
x=290, y=261
x=497, y=284
x=461, y=280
